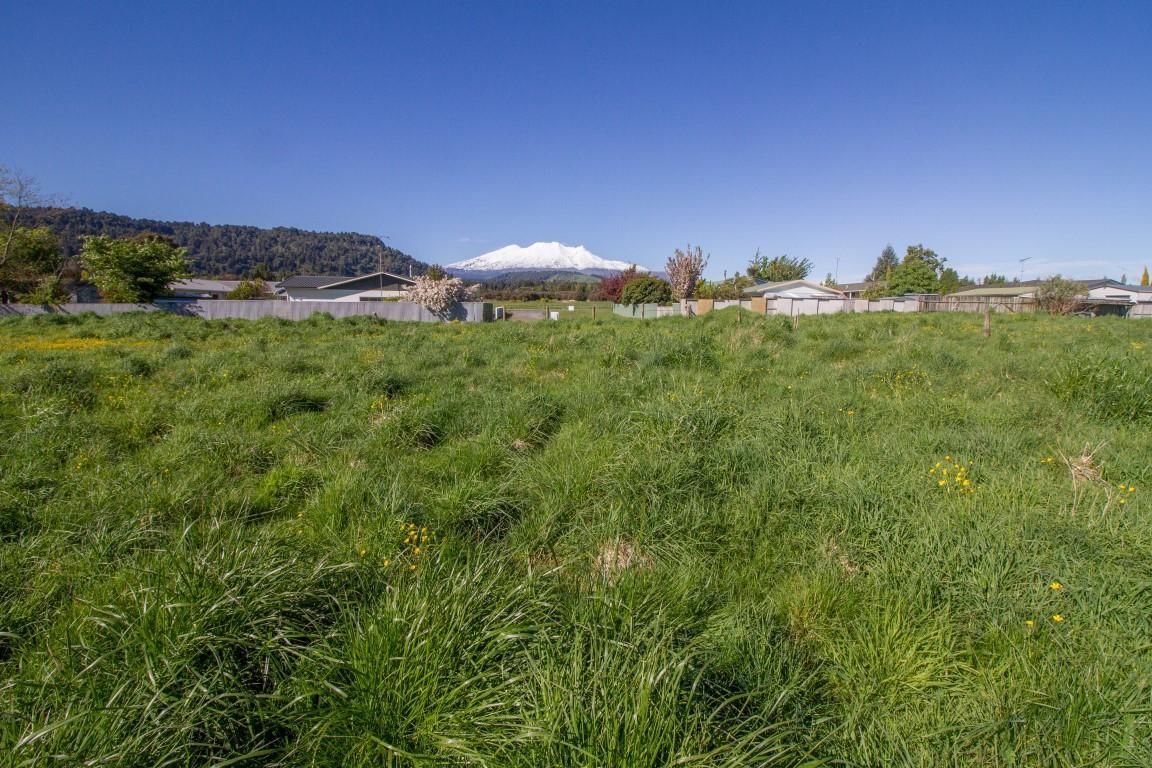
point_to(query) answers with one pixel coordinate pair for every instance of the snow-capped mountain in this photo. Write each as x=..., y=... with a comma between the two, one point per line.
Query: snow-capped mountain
x=539, y=257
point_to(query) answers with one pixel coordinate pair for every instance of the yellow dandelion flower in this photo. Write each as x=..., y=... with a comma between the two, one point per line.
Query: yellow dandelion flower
x=942, y=483
x=416, y=551
x=1056, y=617
x=363, y=551
x=1029, y=623
x=1055, y=586
x=387, y=562
x=1131, y=489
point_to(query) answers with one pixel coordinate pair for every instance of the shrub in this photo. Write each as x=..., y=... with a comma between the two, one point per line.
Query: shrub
x=646, y=290
x=249, y=289
x=1057, y=295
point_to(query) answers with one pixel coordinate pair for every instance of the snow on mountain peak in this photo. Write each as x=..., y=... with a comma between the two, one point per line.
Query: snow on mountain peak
x=540, y=256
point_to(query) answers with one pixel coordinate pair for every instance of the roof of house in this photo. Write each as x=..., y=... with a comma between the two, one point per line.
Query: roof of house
x=377, y=277
x=311, y=281
x=1007, y=291
x=763, y=289
x=343, y=281
x=196, y=284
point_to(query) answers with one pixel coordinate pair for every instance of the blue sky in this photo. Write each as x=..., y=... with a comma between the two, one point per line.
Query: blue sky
x=989, y=131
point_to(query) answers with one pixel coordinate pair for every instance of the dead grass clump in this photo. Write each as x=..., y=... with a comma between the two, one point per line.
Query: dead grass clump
x=833, y=551
x=617, y=556
x=1085, y=469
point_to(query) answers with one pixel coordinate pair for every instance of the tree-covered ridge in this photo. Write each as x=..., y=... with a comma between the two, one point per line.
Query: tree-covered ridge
x=227, y=250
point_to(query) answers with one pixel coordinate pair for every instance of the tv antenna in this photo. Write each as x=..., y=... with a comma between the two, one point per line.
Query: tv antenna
x=1020, y=274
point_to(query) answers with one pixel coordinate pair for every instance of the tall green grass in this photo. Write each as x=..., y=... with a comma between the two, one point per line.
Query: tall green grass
x=709, y=542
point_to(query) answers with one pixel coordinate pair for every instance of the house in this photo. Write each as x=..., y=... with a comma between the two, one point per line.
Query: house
x=854, y=290
x=793, y=289
x=196, y=288
x=379, y=286
x=1110, y=289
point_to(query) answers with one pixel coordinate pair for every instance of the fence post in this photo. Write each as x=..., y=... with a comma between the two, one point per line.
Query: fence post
x=988, y=319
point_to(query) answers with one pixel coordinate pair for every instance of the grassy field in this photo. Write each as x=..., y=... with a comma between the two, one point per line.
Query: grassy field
x=873, y=540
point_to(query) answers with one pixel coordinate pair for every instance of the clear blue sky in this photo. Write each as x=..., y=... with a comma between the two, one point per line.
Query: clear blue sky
x=989, y=131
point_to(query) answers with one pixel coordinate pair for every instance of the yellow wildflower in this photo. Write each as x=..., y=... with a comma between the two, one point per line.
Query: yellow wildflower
x=1056, y=617
x=1055, y=586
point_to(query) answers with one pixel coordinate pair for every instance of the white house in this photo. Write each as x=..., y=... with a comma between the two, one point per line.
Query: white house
x=793, y=289
x=1110, y=289
x=379, y=286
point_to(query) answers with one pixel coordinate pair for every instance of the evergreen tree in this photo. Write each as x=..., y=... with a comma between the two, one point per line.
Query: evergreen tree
x=886, y=261
x=919, y=272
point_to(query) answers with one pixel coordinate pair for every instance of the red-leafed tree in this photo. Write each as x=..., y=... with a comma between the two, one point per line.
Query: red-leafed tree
x=612, y=286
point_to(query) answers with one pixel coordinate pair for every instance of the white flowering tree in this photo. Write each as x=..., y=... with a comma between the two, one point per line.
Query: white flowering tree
x=684, y=270
x=438, y=296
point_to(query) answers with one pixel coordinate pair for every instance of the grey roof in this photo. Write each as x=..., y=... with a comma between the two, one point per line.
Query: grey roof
x=312, y=281
x=374, y=276
x=200, y=284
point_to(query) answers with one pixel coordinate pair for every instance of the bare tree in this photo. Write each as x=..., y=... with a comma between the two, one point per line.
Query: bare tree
x=684, y=270
x=18, y=192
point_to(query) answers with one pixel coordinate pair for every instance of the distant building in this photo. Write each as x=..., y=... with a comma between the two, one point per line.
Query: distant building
x=854, y=290
x=793, y=289
x=1093, y=289
x=197, y=288
x=379, y=286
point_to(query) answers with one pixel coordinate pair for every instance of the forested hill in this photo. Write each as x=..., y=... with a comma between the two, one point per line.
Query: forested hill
x=226, y=250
